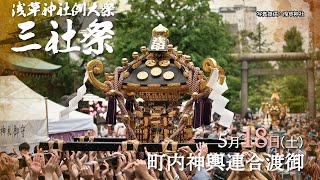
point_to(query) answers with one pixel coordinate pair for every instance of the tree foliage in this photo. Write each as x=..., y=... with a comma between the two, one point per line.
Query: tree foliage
x=294, y=40
x=298, y=96
x=260, y=44
x=245, y=37
x=193, y=29
x=255, y=42
x=260, y=87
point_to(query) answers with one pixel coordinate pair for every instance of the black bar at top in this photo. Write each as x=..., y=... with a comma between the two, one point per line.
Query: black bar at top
x=113, y=146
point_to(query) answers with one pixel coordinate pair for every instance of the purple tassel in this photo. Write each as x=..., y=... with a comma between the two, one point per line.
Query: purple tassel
x=129, y=105
x=206, y=116
x=197, y=120
x=112, y=110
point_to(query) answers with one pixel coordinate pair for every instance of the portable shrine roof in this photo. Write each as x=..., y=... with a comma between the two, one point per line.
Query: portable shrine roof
x=157, y=77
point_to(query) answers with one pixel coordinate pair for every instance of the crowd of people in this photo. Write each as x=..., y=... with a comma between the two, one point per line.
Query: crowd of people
x=128, y=165
x=92, y=165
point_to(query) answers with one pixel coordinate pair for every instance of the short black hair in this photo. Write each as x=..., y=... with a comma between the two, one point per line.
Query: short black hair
x=35, y=149
x=206, y=135
x=234, y=131
x=24, y=146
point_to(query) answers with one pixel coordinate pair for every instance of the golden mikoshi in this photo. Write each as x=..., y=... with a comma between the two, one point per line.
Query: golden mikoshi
x=160, y=76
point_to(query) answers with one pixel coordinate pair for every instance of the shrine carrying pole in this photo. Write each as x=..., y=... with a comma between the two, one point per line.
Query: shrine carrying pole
x=104, y=144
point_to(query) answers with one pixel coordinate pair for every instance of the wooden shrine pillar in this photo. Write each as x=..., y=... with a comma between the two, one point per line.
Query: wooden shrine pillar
x=311, y=88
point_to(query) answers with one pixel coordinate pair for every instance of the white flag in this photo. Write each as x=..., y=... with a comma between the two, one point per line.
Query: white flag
x=73, y=103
